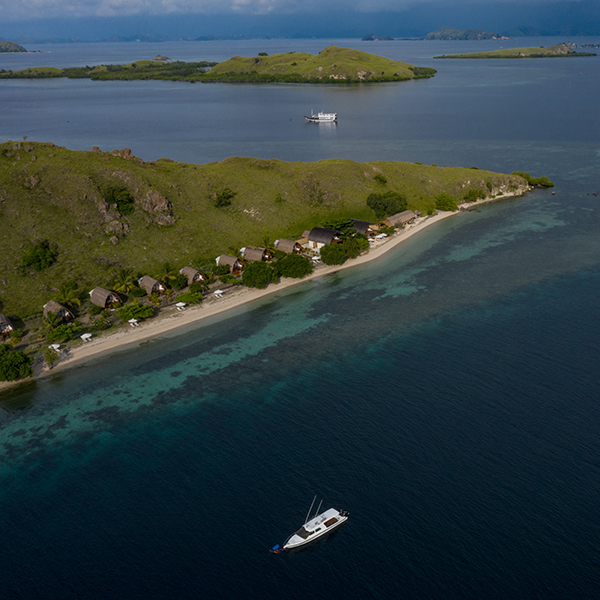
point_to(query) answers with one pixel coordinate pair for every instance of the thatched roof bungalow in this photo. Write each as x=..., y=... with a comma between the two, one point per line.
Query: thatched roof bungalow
x=253, y=254
x=193, y=275
x=363, y=227
x=6, y=327
x=151, y=285
x=58, y=309
x=399, y=219
x=288, y=246
x=104, y=298
x=234, y=263
x=320, y=236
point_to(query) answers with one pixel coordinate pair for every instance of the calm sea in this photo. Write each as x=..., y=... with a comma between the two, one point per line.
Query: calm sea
x=446, y=395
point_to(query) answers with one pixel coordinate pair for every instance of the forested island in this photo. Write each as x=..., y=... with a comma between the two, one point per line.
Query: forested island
x=559, y=51
x=331, y=65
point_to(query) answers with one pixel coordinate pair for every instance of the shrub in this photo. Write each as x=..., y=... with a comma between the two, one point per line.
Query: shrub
x=475, y=194
x=190, y=297
x=63, y=333
x=94, y=310
x=445, y=202
x=179, y=281
x=220, y=269
x=40, y=257
x=294, y=265
x=17, y=335
x=14, y=364
x=539, y=181
x=119, y=195
x=135, y=310
x=224, y=197
x=230, y=279
x=380, y=178
x=50, y=356
x=489, y=186
x=137, y=292
x=262, y=54
x=389, y=203
x=196, y=287
x=333, y=255
x=279, y=199
x=387, y=229
x=258, y=275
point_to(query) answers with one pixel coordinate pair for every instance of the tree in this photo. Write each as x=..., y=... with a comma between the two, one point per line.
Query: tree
x=124, y=281
x=51, y=321
x=333, y=254
x=135, y=310
x=167, y=273
x=386, y=204
x=294, y=265
x=14, y=364
x=68, y=295
x=119, y=195
x=445, y=202
x=40, y=256
x=223, y=197
x=258, y=275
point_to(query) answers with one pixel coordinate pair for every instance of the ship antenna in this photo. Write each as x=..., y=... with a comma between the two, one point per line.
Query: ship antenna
x=308, y=514
x=318, y=509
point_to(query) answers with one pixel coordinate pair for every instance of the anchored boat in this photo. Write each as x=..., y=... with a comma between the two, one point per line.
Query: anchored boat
x=316, y=526
x=321, y=117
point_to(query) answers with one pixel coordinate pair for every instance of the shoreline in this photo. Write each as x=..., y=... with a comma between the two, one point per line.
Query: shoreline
x=171, y=319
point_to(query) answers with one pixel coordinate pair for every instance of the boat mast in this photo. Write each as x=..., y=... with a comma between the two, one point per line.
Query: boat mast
x=318, y=509
x=308, y=514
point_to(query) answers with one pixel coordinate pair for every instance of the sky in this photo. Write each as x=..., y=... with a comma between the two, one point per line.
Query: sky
x=276, y=17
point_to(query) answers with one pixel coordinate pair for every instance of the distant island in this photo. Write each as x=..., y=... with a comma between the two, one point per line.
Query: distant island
x=11, y=47
x=449, y=33
x=371, y=37
x=331, y=65
x=562, y=50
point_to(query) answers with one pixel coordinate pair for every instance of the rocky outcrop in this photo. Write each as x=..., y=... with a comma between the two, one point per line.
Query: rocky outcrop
x=159, y=207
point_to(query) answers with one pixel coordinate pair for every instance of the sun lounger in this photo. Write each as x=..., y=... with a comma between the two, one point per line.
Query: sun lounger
x=86, y=337
x=180, y=306
x=134, y=323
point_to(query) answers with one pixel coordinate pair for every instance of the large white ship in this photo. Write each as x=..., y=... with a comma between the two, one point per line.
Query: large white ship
x=316, y=527
x=321, y=117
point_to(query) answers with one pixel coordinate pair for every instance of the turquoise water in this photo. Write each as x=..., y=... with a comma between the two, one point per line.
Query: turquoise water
x=446, y=394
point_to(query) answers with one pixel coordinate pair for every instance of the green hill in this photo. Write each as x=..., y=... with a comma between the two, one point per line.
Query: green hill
x=562, y=50
x=449, y=33
x=54, y=195
x=11, y=47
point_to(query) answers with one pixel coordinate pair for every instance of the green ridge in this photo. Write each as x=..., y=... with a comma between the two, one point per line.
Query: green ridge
x=562, y=50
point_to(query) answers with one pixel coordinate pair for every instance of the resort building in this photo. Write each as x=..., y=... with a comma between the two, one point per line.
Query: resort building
x=104, y=298
x=151, y=285
x=193, y=275
x=58, y=309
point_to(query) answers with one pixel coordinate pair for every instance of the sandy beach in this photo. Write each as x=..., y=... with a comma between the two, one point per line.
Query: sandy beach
x=170, y=318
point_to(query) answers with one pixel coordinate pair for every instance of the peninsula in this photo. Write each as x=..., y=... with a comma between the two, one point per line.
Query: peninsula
x=10, y=47
x=331, y=65
x=559, y=51
x=143, y=236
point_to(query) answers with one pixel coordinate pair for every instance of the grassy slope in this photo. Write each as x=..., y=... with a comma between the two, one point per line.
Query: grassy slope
x=549, y=52
x=63, y=206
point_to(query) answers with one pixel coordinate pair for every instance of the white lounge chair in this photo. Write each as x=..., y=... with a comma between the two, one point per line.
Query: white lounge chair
x=86, y=337
x=180, y=306
x=134, y=322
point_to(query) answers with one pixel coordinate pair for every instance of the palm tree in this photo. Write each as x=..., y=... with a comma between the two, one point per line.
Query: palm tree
x=167, y=273
x=269, y=243
x=68, y=295
x=52, y=320
x=125, y=281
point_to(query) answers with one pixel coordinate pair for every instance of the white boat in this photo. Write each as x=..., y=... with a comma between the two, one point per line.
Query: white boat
x=321, y=117
x=316, y=527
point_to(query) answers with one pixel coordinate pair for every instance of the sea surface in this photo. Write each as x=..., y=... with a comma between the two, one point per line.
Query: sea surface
x=446, y=394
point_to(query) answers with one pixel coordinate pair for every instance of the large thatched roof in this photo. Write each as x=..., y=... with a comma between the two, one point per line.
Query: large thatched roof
x=253, y=253
x=150, y=284
x=400, y=218
x=58, y=309
x=193, y=275
x=322, y=235
x=5, y=325
x=360, y=226
x=288, y=246
x=104, y=298
x=232, y=261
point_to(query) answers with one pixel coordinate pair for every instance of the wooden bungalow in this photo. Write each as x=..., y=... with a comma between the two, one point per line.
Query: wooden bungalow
x=6, y=327
x=400, y=219
x=320, y=236
x=58, y=309
x=363, y=227
x=235, y=264
x=193, y=275
x=254, y=254
x=289, y=246
x=151, y=285
x=104, y=298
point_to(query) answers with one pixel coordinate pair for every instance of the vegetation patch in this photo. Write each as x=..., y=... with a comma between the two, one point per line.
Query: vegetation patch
x=40, y=256
x=14, y=364
x=559, y=51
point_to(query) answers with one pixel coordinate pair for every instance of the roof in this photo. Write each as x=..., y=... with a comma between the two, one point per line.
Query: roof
x=360, y=226
x=55, y=307
x=101, y=297
x=253, y=253
x=149, y=283
x=192, y=274
x=5, y=322
x=226, y=259
x=287, y=246
x=401, y=218
x=322, y=235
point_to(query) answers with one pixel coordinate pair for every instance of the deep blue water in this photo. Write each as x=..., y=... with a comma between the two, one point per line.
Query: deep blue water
x=446, y=395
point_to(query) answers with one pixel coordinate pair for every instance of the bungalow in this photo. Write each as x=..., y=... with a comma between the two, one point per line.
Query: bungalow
x=104, y=298
x=193, y=275
x=235, y=264
x=363, y=227
x=62, y=312
x=400, y=219
x=288, y=246
x=151, y=285
x=319, y=237
x=253, y=254
x=6, y=327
